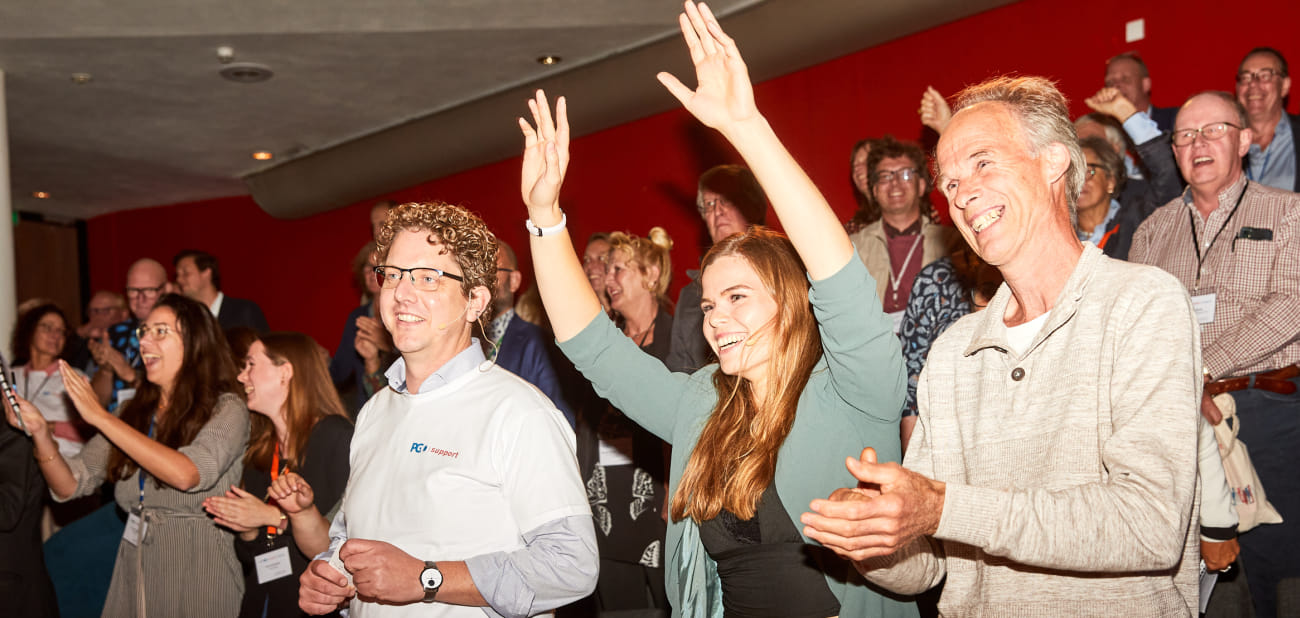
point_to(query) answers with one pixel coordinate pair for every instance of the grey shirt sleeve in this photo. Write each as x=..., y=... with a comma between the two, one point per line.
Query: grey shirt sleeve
x=557, y=565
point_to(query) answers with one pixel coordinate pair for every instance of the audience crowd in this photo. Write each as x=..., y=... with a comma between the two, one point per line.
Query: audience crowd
x=885, y=416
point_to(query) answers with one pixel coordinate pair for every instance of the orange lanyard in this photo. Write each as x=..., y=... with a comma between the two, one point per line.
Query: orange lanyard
x=271, y=531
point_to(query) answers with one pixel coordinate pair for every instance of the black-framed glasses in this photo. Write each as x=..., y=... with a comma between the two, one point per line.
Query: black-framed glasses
x=884, y=176
x=156, y=331
x=1262, y=75
x=505, y=270
x=145, y=292
x=1211, y=132
x=424, y=279
x=51, y=329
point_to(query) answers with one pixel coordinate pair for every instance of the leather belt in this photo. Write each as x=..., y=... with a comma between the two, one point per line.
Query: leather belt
x=1276, y=381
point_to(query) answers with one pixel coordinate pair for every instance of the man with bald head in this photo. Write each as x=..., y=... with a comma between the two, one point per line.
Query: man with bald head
x=1232, y=242
x=118, y=356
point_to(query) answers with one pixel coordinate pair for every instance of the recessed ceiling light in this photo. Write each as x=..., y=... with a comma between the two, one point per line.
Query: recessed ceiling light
x=40, y=195
x=81, y=78
x=246, y=72
x=548, y=60
x=263, y=155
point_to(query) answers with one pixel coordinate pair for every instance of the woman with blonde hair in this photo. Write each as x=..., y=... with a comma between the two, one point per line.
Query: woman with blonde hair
x=621, y=463
x=807, y=374
x=298, y=444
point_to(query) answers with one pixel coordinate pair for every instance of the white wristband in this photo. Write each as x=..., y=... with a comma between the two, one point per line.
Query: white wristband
x=546, y=231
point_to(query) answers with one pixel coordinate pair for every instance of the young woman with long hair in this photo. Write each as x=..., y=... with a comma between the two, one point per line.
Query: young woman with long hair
x=299, y=441
x=178, y=441
x=807, y=375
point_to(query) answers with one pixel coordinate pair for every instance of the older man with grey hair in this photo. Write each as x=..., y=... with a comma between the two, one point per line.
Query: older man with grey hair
x=1233, y=243
x=1053, y=469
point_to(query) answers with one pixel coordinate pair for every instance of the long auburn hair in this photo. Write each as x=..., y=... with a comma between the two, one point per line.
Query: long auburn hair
x=311, y=398
x=206, y=374
x=735, y=457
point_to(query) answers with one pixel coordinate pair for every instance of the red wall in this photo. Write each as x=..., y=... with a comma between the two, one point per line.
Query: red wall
x=643, y=173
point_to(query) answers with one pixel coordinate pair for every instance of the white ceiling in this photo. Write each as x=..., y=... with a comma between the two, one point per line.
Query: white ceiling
x=158, y=125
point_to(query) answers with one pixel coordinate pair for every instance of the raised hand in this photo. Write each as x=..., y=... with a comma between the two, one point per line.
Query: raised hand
x=372, y=329
x=292, y=493
x=935, y=112
x=1112, y=102
x=82, y=395
x=546, y=158
x=723, y=96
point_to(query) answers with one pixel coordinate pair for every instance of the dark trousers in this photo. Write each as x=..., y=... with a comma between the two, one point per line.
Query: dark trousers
x=1270, y=429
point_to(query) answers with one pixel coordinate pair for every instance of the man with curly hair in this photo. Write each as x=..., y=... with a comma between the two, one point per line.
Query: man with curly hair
x=464, y=491
x=906, y=235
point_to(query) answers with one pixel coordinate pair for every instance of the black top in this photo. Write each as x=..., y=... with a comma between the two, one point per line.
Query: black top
x=325, y=467
x=767, y=570
x=25, y=586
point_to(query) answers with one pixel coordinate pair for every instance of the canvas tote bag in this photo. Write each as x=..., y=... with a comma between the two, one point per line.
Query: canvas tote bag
x=1253, y=508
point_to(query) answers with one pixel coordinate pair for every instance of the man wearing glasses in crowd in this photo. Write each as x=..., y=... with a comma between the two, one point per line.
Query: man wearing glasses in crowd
x=464, y=490
x=1262, y=87
x=118, y=354
x=905, y=236
x=1232, y=243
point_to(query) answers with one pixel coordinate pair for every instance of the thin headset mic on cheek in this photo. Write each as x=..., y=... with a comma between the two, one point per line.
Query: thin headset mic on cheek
x=444, y=325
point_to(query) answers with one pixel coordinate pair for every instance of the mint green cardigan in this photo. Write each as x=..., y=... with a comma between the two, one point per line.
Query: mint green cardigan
x=852, y=400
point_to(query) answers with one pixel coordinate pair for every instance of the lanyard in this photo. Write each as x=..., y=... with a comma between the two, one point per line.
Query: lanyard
x=143, y=474
x=271, y=531
x=1196, y=243
x=27, y=381
x=896, y=279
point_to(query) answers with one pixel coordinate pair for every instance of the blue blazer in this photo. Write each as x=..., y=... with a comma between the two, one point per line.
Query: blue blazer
x=526, y=352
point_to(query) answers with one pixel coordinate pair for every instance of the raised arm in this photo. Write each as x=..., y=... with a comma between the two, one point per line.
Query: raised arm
x=724, y=100
x=570, y=303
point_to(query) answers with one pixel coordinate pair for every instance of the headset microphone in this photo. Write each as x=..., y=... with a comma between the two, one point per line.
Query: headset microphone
x=444, y=325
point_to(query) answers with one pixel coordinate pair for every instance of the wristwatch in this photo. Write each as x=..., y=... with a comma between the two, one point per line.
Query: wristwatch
x=430, y=580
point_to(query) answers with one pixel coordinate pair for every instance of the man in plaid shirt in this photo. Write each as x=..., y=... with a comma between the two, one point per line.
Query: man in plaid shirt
x=1232, y=242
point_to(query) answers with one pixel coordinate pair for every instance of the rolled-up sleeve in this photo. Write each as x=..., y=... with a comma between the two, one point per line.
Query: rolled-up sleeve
x=557, y=565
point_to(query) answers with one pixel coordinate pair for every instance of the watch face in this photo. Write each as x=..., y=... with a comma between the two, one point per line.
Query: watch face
x=431, y=578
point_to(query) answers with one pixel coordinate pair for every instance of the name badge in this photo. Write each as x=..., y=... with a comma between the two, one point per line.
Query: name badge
x=273, y=565
x=135, y=529
x=897, y=318
x=1203, y=307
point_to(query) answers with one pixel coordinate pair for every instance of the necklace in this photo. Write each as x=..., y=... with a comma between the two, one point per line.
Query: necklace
x=640, y=336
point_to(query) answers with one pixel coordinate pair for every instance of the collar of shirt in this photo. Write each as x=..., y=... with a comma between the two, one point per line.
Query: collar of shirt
x=497, y=327
x=467, y=360
x=1227, y=197
x=991, y=330
x=1098, y=232
x=911, y=230
x=216, y=304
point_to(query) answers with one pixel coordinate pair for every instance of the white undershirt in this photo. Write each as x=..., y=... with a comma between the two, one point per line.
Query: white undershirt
x=215, y=307
x=1021, y=336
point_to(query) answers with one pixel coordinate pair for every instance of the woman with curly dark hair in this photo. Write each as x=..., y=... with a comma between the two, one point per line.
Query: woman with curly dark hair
x=178, y=441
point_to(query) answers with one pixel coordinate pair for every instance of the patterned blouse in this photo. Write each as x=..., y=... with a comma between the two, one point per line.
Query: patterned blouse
x=938, y=300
